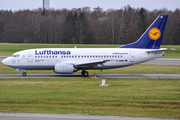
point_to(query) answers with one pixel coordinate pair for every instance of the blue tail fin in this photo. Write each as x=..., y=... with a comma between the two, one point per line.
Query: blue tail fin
x=152, y=37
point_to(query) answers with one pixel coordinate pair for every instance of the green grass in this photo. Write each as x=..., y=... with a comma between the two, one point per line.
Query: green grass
x=7, y=49
x=123, y=97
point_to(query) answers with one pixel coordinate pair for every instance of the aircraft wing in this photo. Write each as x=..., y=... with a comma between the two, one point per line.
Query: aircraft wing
x=90, y=64
x=160, y=50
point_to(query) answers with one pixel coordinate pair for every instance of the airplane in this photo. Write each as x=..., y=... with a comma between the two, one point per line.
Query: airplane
x=70, y=60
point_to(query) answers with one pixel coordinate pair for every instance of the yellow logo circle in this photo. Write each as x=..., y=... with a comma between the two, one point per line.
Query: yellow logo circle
x=154, y=33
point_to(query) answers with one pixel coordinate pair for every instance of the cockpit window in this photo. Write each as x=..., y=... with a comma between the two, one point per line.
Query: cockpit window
x=15, y=56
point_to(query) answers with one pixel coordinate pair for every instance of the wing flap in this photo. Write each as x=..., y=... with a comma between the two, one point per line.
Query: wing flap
x=90, y=64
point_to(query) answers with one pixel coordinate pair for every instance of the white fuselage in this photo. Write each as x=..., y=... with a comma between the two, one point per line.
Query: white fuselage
x=47, y=58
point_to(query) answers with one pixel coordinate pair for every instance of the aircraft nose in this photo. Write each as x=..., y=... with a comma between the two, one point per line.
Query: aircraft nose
x=5, y=61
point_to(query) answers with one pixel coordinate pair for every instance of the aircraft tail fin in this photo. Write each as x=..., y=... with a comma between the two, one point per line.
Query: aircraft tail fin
x=152, y=37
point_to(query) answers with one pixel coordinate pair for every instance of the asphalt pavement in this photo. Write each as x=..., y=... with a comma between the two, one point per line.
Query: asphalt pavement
x=37, y=116
x=156, y=76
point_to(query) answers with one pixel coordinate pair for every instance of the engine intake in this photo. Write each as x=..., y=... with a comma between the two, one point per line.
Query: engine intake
x=63, y=68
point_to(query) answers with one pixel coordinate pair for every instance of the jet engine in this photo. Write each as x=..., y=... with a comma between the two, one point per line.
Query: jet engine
x=63, y=68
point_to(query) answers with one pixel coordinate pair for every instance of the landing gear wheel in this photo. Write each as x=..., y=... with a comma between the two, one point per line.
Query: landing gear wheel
x=24, y=74
x=85, y=73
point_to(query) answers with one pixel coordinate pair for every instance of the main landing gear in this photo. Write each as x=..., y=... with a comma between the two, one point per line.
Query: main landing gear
x=24, y=74
x=85, y=73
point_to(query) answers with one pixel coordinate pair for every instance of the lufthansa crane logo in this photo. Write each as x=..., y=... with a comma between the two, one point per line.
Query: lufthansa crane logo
x=154, y=33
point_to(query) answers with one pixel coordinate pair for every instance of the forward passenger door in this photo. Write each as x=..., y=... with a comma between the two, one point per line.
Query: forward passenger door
x=29, y=56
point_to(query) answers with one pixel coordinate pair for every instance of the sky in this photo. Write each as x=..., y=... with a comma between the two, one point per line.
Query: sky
x=16, y=5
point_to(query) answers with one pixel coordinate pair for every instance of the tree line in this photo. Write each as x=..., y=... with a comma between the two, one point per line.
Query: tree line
x=85, y=25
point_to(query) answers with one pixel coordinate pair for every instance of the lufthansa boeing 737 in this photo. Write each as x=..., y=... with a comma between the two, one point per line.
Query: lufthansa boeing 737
x=69, y=60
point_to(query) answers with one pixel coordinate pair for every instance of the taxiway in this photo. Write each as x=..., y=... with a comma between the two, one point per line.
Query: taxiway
x=37, y=116
x=156, y=76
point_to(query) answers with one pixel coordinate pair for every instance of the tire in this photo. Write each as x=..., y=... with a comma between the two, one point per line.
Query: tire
x=24, y=74
x=86, y=73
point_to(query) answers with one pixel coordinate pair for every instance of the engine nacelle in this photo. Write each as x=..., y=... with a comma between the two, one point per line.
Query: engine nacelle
x=63, y=68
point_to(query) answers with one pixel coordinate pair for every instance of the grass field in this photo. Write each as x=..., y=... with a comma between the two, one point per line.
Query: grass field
x=7, y=49
x=123, y=97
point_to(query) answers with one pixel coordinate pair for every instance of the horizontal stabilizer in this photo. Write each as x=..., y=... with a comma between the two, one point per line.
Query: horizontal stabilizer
x=159, y=50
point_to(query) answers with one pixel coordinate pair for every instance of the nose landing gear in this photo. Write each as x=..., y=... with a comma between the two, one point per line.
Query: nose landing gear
x=24, y=74
x=22, y=70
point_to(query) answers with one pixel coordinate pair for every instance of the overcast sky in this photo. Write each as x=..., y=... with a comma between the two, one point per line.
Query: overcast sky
x=15, y=5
